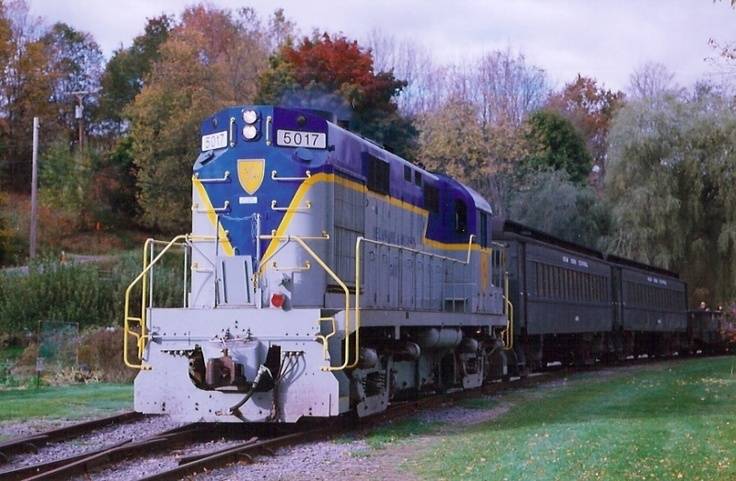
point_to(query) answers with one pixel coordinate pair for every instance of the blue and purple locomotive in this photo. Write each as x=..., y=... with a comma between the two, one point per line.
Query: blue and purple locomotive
x=323, y=275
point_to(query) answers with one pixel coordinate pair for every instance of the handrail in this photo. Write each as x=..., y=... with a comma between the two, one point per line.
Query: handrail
x=361, y=239
x=426, y=253
x=303, y=268
x=224, y=178
x=274, y=176
x=263, y=262
x=231, y=132
x=269, y=121
x=224, y=208
x=142, y=336
x=336, y=278
x=508, y=333
x=274, y=206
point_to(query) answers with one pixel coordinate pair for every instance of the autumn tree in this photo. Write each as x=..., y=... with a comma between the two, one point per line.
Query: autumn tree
x=26, y=84
x=454, y=141
x=590, y=107
x=335, y=73
x=672, y=168
x=209, y=61
x=6, y=235
x=478, y=131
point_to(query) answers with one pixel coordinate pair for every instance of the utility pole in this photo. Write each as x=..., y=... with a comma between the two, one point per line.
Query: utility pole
x=34, y=189
x=79, y=113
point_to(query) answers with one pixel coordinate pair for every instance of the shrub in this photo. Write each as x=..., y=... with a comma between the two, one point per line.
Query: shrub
x=101, y=355
x=89, y=294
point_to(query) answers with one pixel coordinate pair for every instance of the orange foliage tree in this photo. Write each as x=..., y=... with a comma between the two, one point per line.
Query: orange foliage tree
x=337, y=74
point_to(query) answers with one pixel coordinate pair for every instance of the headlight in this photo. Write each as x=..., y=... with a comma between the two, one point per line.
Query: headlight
x=250, y=116
x=250, y=132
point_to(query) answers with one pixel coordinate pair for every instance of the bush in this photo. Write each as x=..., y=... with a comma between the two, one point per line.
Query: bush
x=101, y=355
x=89, y=294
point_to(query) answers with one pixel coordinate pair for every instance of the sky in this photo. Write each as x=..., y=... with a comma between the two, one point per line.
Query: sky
x=604, y=39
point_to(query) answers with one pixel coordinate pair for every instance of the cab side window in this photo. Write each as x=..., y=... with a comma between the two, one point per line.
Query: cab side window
x=461, y=217
x=378, y=175
x=483, y=229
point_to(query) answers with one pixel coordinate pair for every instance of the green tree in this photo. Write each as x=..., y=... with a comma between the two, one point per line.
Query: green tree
x=124, y=74
x=671, y=177
x=93, y=184
x=336, y=74
x=549, y=201
x=557, y=145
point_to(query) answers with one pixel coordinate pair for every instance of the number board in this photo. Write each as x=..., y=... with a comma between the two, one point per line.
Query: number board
x=295, y=138
x=214, y=141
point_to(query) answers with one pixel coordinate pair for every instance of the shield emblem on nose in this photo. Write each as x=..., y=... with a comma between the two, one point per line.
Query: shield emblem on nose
x=250, y=174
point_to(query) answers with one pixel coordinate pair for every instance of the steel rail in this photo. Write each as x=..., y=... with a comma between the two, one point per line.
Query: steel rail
x=26, y=472
x=32, y=442
x=241, y=452
x=84, y=463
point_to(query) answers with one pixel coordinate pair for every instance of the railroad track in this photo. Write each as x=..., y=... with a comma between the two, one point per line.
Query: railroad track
x=259, y=439
x=245, y=452
x=33, y=442
x=84, y=463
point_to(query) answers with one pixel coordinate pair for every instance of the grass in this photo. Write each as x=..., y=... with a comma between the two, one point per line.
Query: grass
x=385, y=435
x=478, y=403
x=10, y=353
x=82, y=400
x=401, y=430
x=666, y=423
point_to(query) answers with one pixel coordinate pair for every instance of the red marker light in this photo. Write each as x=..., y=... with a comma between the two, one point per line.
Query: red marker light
x=277, y=300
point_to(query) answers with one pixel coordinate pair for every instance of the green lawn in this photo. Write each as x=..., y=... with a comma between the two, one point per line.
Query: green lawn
x=79, y=400
x=675, y=421
x=11, y=353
